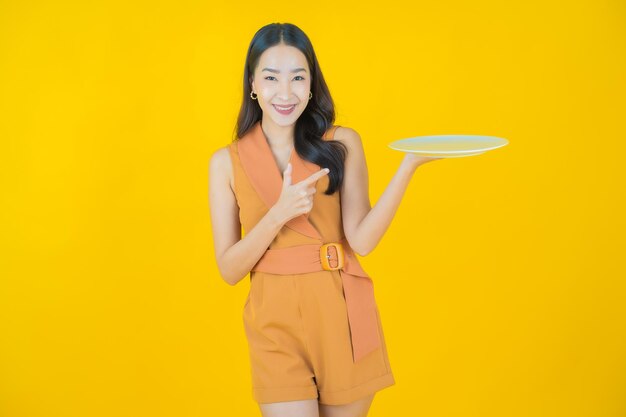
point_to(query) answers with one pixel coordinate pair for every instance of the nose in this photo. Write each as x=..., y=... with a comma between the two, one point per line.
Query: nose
x=285, y=90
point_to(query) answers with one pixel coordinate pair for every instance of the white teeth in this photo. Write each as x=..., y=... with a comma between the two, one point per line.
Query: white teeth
x=283, y=108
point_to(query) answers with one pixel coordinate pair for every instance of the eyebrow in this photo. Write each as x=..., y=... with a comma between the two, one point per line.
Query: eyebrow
x=277, y=71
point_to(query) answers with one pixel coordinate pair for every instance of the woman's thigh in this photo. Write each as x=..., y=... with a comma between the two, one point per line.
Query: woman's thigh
x=358, y=408
x=300, y=408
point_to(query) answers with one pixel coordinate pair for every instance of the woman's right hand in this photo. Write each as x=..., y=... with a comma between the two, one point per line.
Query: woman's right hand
x=296, y=199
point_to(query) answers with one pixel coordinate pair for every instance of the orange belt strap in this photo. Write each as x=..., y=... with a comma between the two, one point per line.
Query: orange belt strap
x=358, y=287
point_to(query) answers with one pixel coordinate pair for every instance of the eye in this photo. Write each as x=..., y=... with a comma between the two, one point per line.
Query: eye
x=299, y=76
x=269, y=76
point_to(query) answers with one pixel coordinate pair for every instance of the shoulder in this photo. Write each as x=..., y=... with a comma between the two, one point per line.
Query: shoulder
x=220, y=164
x=349, y=137
x=220, y=157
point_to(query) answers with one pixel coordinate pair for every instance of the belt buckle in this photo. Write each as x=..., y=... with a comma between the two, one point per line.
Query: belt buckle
x=324, y=256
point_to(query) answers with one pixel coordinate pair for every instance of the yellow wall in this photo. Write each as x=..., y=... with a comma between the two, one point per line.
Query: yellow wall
x=500, y=282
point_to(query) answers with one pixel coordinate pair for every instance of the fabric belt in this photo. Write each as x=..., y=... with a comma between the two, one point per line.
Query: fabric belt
x=358, y=287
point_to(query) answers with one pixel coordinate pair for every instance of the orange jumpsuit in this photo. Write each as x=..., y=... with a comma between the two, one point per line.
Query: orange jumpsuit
x=305, y=340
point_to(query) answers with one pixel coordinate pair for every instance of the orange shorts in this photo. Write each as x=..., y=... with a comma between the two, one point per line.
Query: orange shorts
x=299, y=341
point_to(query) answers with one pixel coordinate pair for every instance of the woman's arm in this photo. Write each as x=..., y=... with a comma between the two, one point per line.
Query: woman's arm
x=363, y=225
x=235, y=256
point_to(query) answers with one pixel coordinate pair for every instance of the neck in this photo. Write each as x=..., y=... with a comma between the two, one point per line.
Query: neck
x=278, y=137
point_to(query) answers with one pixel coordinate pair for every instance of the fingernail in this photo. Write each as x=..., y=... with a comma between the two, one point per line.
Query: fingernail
x=326, y=169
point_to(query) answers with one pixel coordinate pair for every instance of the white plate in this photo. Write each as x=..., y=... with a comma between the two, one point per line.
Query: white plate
x=448, y=146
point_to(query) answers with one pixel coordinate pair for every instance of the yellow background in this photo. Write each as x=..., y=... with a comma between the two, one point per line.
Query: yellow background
x=500, y=281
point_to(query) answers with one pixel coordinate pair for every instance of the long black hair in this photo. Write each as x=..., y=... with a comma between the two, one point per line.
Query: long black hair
x=317, y=117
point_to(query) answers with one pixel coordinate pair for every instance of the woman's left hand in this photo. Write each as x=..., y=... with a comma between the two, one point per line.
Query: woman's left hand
x=415, y=160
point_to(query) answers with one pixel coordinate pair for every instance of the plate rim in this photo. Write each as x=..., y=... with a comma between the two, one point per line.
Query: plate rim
x=450, y=152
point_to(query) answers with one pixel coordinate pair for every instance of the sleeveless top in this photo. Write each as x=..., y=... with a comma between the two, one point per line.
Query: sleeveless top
x=324, y=219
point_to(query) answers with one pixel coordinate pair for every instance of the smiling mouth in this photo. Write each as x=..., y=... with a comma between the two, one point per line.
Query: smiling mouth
x=284, y=110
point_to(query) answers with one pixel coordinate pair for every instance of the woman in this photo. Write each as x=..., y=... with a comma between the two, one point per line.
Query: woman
x=313, y=328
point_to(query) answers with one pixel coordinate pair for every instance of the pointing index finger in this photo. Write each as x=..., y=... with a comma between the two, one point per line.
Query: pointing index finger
x=315, y=176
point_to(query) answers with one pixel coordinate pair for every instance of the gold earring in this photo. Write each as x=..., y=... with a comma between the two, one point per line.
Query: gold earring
x=310, y=95
x=255, y=95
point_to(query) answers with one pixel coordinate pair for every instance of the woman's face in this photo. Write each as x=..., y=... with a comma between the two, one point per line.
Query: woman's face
x=282, y=82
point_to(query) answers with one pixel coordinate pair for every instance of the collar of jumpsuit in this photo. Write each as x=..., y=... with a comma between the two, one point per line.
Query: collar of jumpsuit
x=263, y=173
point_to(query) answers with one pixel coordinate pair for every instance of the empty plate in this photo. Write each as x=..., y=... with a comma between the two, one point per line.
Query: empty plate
x=448, y=146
